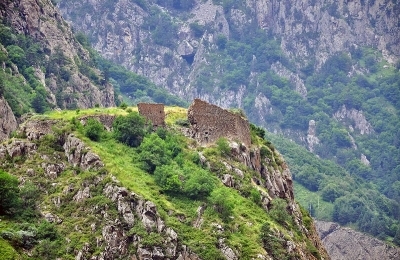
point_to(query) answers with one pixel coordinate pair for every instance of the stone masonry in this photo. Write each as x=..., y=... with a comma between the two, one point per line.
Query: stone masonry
x=210, y=122
x=153, y=113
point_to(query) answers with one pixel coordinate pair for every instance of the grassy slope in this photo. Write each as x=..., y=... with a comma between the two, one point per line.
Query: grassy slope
x=242, y=231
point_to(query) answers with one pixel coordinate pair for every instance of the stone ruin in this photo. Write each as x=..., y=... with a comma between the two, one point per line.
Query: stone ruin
x=210, y=122
x=153, y=113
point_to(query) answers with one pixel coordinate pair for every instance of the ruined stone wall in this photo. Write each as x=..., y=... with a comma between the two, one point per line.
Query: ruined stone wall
x=153, y=113
x=209, y=123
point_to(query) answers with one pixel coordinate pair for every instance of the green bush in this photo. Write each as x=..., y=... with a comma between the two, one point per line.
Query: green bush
x=222, y=201
x=153, y=152
x=129, y=129
x=279, y=212
x=275, y=246
x=9, y=193
x=223, y=146
x=93, y=129
x=168, y=177
x=200, y=183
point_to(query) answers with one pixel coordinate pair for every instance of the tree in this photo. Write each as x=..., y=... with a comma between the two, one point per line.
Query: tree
x=168, y=177
x=199, y=184
x=16, y=54
x=223, y=146
x=93, y=129
x=331, y=192
x=223, y=202
x=39, y=102
x=396, y=238
x=153, y=152
x=9, y=197
x=129, y=129
x=221, y=41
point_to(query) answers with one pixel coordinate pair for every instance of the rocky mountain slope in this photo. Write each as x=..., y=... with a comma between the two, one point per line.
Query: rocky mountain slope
x=310, y=33
x=345, y=243
x=92, y=207
x=60, y=63
x=8, y=123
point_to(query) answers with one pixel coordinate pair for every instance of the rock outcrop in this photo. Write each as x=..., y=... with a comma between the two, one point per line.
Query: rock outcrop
x=312, y=138
x=354, y=119
x=79, y=155
x=346, y=244
x=8, y=123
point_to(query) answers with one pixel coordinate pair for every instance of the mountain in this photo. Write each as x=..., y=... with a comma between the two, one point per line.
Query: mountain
x=324, y=74
x=71, y=189
x=39, y=49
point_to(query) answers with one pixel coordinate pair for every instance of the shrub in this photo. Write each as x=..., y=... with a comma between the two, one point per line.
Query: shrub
x=168, y=177
x=280, y=213
x=9, y=197
x=93, y=129
x=223, y=203
x=223, y=146
x=255, y=196
x=182, y=122
x=129, y=129
x=199, y=184
x=123, y=105
x=153, y=153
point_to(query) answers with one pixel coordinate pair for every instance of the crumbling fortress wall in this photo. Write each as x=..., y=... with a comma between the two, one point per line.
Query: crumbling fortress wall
x=210, y=122
x=153, y=113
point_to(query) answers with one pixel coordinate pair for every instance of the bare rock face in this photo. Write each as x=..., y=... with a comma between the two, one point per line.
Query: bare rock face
x=336, y=28
x=8, y=123
x=312, y=138
x=79, y=155
x=35, y=129
x=346, y=244
x=357, y=119
x=294, y=78
x=17, y=148
x=133, y=208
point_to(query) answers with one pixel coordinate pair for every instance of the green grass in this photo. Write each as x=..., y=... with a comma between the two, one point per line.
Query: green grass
x=7, y=252
x=247, y=219
x=69, y=114
x=322, y=209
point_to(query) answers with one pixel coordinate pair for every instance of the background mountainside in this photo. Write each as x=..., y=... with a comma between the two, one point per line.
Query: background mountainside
x=322, y=73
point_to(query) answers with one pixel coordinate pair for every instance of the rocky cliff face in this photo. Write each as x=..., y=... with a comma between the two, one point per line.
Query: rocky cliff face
x=310, y=31
x=345, y=243
x=333, y=26
x=41, y=21
x=8, y=123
